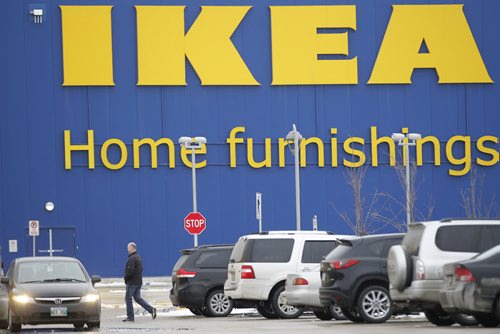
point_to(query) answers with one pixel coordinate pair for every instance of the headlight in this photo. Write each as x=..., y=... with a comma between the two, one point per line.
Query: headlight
x=22, y=299
x=90, y=298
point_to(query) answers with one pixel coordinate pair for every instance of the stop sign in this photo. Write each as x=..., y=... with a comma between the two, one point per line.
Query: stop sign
x=195, y=223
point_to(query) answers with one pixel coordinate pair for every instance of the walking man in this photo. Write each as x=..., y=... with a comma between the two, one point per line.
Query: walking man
x=133, y=282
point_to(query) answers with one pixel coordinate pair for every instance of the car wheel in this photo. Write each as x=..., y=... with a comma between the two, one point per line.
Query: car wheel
x=351, y=314
x=375, y=304
x=284, y=311
x=399, y=267
x=325, y=314
x=265, y=310
x=94, y=326
x=337, y=312
x=497, y=311
x=218, y=304
x=439, y=317
x=195, y=311
x=14, y=327
x=487, y=319
x=205, y=312
x=464, y=319
x=78, y=325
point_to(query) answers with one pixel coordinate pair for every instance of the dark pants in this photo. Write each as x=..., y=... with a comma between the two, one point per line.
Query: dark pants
x=134, y=291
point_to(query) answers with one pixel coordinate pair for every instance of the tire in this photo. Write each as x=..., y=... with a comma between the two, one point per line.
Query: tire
x=94, y=326
x=350, y=313
x=464, y=319
x=218, y=304
x=265, y=310
x=375, y=305
x=497, y=309
x=329, y=313
x=205, y=312
x=78, y=325
x=439, y=317
x=14, y=327
x=4, y=324
x=399, y=267
x=281, y=309
x=195, y=310
x=487, y=319
x=325, y=314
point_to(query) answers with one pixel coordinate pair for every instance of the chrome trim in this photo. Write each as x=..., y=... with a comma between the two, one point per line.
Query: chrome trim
x=58, y=300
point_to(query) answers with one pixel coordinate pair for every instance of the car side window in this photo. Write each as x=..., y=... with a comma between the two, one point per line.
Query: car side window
x=376, y=247
x=388, y=244
x=271, y=250
x=314, y=251
x=213, y=259
x=490, y=237
x=451, y=238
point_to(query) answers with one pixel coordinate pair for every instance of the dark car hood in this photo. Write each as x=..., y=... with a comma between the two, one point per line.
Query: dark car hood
x=40, y=290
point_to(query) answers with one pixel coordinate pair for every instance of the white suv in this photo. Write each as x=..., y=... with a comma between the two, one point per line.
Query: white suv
x=416, y=266
x=259, y=265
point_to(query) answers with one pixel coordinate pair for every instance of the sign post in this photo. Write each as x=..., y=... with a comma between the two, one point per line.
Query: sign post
x=258, y=209
x=34, y=231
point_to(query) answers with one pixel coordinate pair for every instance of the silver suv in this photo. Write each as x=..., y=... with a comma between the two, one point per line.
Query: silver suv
x=416, y=266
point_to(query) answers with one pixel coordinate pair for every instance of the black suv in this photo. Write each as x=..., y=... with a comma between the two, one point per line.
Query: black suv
x=354, y=277
x=198, y=280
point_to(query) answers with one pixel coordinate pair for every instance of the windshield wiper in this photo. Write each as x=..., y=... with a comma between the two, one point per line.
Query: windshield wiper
x=25, y=282
x=63, y=280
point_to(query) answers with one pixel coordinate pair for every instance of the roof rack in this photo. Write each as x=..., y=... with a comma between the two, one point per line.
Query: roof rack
x=448, y=220
x=293, y=232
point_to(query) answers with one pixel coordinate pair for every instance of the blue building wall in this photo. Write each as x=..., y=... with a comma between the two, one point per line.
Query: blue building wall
x=110, y=208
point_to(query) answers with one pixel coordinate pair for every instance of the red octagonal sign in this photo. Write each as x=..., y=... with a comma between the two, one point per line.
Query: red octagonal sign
x=195, y=223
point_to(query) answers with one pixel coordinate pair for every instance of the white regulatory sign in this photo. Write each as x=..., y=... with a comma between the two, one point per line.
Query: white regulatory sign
x=12, y=246
x=258, y=205
x=34, y=228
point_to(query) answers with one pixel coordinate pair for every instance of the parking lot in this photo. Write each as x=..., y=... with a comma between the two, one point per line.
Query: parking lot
x=171, y=319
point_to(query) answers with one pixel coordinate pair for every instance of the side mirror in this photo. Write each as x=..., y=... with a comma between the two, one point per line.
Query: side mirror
x=95, y=279
x=5, y=280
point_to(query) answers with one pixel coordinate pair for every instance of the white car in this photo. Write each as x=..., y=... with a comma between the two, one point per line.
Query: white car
x=302, y=291
x=259, y=265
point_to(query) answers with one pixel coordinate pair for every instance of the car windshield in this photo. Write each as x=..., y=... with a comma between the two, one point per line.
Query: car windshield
x=50, y=271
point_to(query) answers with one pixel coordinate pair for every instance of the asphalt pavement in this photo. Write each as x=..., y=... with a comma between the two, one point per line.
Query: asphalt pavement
x=172, y=320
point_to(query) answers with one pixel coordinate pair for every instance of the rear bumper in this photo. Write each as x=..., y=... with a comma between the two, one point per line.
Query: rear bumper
x=465, y=299
x=39, y=314
x=247, y=292
x=188, y=296
x=302, y=297
x=421, y=294
x=331, y=295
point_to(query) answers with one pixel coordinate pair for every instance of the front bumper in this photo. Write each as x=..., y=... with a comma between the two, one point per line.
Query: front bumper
x=39, y=313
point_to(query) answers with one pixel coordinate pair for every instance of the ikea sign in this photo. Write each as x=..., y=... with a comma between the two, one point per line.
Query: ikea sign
x=300, y=36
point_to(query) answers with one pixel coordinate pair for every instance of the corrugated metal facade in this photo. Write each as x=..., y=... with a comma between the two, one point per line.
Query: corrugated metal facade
x=109, y=208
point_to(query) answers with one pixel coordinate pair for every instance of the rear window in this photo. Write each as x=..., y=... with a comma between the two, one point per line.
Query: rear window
x=340, y=252
x=314, y=251
x=412, y=239
x=213, y=259
x=467, y=238
x=268, y=250
x=237, y=253
x=180, y=262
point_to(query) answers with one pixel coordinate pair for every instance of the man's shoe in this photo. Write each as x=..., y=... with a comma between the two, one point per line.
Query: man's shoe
x=153, y=314
x=128, y=320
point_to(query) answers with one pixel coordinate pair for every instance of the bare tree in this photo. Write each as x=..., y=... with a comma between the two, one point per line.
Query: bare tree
x=473, y=201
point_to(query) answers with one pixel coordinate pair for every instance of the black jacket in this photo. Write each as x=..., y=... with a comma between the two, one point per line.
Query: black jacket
x=133, y=270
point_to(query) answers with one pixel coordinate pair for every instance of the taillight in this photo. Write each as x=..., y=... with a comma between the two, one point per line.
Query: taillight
x=300, y=281
x=183, y=273
x=420, y=270
x=247, y=272
x=344, y=264
x=463, y=274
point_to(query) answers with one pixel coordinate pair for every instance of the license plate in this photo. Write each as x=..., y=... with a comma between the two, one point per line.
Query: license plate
x=58, y=311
